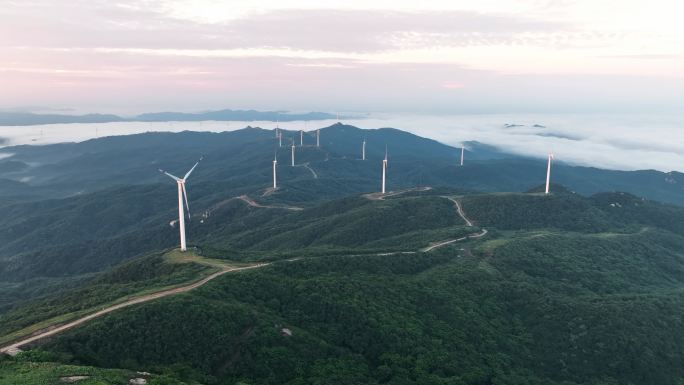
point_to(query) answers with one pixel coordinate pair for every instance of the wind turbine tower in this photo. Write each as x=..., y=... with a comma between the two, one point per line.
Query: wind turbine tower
x=363, y=150
x=301, y=138
x=293, y=150
x=462, y=152
x=318, y=138
x=384, y=170
x=275, y=164
x=280, y=139
x=548, y=173
x=182, y=195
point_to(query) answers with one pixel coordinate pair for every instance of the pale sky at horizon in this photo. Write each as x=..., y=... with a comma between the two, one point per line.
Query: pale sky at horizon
x=378, y=56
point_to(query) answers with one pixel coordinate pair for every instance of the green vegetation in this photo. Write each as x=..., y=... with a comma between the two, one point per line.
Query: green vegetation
x=114, y=206
x=354, y=223
x=28, y=369
x=411, y=224
x=563, y=290
x=528, y=304
x=530, y=316
x=146, y=274
x=567, y=211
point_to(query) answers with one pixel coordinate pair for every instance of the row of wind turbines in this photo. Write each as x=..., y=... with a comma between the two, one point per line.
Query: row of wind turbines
x=183, y=194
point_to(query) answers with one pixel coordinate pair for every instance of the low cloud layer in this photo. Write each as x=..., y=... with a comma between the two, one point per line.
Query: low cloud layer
x=621, y=142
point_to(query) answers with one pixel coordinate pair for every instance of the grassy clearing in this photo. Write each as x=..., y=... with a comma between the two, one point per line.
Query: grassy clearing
x=49, y=373
x=177, y=256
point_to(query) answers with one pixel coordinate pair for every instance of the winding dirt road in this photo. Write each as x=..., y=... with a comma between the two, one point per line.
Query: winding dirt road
x=306, y=166
x=459, y=210
x=14, y=347
x=253, y=203
x=381, y=196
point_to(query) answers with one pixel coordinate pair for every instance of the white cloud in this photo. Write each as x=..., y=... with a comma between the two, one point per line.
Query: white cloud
x=623, y=54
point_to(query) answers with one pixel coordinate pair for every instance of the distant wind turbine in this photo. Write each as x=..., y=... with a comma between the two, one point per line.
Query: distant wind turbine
x=280, y=139
x=548, y=173
x=182, y=195
x=363, y=150
x=275, y=163
x=462, y=152
x=301, y=138
x=318, y=138
x=384, y=170
x=293, y=151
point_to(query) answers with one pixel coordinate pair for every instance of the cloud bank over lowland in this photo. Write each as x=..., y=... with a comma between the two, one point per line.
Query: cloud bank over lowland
x=441, y=56
x=621, y=142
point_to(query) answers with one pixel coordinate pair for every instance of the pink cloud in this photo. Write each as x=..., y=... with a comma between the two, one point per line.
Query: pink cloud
x=452, y=85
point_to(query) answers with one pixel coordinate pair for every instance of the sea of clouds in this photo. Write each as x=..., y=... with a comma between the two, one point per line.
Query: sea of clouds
x=622, y=142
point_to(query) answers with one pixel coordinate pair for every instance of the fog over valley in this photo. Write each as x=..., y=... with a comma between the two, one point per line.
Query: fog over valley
x=611, y=141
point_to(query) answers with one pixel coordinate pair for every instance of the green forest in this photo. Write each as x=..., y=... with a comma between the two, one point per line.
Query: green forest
x=594, y=298
x=583, y=286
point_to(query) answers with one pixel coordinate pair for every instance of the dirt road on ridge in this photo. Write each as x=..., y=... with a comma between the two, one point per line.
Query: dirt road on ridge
x=14, y=347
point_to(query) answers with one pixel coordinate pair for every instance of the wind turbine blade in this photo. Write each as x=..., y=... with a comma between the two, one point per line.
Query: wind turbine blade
x=185, y=195
x=172, y=176
x=192, y=169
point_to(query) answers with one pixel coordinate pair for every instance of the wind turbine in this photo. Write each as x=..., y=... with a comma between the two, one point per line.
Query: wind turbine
x=548, y=173
x=318, y=138
x=293, y=150
x=301, y=138
x=182, y=195
x=275, y=163
x=384, y=170
x=280, y=139
x=462, y=152
x=363, y=150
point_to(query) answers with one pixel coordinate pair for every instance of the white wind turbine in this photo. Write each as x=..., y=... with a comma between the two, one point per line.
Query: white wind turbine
x=301, y=138
x=363, y=150
x=384, y=170
x=293, y=151
x=318, y=138
x=275, y=163
x=548, y=173
x=462, y=152
x=182, y=195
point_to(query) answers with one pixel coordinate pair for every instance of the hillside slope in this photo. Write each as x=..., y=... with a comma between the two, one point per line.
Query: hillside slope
x=563, y=290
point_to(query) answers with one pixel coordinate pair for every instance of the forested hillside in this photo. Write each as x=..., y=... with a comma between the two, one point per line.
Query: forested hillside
x=457, y=276
x=562, y=290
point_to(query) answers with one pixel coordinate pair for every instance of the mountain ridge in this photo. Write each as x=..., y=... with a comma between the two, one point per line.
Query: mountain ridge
x=29, y=119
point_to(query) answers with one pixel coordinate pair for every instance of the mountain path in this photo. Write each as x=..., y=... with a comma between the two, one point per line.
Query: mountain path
x=459, y=210
x=14, y=347
x=253, y=203
x=380, y=196
x=308, y=167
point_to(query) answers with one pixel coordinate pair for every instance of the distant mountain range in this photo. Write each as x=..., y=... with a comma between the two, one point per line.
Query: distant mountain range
x=29, y=119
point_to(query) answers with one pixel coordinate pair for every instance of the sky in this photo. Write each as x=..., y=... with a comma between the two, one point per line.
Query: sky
x=486, y=56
